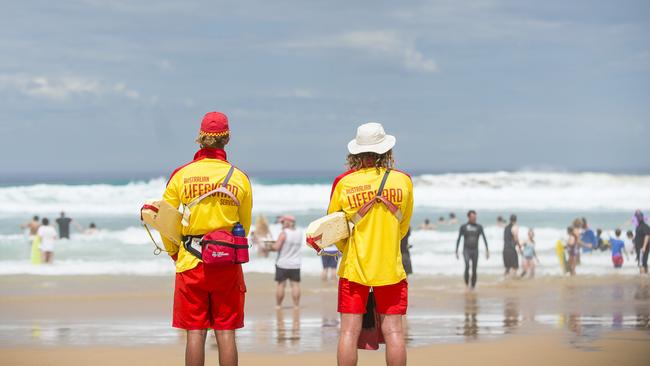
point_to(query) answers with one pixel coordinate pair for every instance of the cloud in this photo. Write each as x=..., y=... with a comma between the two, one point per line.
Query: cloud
x=386, y=43
x=63, y=87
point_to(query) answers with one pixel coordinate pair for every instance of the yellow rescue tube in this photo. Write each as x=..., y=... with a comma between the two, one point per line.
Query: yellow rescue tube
x=559, y=251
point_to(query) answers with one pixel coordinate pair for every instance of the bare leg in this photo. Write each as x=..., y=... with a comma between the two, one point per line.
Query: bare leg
x=391, y=327
x=350, y=330
x=228, y=355
x=323, y=275
x=295, y=293
x=279, y=293
x=195, y=348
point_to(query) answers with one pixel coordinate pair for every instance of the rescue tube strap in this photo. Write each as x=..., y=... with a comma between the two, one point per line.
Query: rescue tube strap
x=311, y=241
x=221, y=189
x=158, y=249
x=363, y=211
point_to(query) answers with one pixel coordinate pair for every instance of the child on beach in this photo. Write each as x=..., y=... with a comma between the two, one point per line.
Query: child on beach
x=530, y=255
x=618, y=249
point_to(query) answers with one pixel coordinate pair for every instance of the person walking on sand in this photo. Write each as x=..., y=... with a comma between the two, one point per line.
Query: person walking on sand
x=287, y=264
x=511, y=246
x=209, y=296
x=48, y=236
x=471, y=232
x=379, y=199
x=641, y=240
x=530, y=255
x=617, y=246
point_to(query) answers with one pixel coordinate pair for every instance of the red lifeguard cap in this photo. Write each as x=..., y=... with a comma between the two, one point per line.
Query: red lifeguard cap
x=214, y=124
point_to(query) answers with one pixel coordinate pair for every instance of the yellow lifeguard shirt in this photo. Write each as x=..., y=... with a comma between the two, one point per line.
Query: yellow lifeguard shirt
x=208, y=169
x=371, y=255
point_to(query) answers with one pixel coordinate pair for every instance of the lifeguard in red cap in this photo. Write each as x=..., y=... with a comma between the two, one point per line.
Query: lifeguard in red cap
x=208, y=297
x=378, y=199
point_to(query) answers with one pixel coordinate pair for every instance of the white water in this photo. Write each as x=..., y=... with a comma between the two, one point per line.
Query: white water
x=500, y=190
x=123, y=247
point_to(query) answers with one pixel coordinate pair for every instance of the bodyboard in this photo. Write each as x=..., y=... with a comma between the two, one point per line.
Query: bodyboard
x=163, y=217
x=559, y=251
x=35, y=253
x=328, y=230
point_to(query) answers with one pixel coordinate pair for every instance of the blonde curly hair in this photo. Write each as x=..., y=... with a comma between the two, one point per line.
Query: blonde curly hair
x=370, y=159
x=212, y=142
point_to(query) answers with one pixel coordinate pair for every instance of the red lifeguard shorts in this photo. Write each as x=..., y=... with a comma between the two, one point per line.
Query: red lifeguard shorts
x=391, y=299
x=209, y=298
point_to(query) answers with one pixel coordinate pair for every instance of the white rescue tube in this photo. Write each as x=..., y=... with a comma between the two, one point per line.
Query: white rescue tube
x=163, y=217
x=328, y=230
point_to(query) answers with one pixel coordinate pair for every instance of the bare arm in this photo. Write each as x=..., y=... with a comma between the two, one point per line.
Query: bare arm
x=278, y=243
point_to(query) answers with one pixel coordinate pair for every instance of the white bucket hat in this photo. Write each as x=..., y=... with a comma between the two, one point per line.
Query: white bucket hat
x=371, y=137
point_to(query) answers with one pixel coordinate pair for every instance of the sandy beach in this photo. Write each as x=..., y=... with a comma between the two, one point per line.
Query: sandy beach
x=116, y=320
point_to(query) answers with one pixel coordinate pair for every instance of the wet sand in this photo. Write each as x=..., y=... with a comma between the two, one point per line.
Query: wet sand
x=110, y=320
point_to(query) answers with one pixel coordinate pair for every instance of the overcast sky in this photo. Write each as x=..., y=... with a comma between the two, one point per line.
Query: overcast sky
x=120, y=86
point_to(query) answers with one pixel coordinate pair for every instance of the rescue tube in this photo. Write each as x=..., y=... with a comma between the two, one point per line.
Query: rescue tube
x=328, y=230
x=163, y=217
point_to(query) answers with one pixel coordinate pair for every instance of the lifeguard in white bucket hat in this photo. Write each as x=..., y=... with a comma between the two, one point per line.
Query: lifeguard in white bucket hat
x=378, y=199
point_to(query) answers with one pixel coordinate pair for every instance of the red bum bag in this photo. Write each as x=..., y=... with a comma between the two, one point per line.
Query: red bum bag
x=221, y=247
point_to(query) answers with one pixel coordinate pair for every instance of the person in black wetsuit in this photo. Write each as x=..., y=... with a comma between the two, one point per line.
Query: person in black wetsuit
x=64, y=226
x=641, y=242
x=471, y=232
x=510, y=245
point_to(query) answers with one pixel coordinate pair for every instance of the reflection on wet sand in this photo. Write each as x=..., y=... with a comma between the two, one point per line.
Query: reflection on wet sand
x=584, y=312
x=510, y=314
x=284, y=335
x=641, y=297
x=470, y=325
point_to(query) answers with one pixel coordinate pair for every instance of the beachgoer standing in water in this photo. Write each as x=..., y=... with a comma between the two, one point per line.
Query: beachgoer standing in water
x=380, y=200
x=617, y=245
x=511, y=246
x=48, y=236
x=209, y=297
x=330, y=260
x=32, y=229
x=530, y=255
x=63, y=223
x=287, y=264
x=641, y=240
x=471, y=232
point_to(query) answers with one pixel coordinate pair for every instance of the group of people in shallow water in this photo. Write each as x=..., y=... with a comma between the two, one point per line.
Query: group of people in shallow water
x=581, y=239
x=42, y=233
x=472, y=232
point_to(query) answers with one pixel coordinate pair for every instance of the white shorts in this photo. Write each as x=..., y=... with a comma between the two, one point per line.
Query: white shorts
x=47, y=247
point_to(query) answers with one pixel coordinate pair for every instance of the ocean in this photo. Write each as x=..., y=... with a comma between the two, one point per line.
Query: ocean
x=545, y=201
